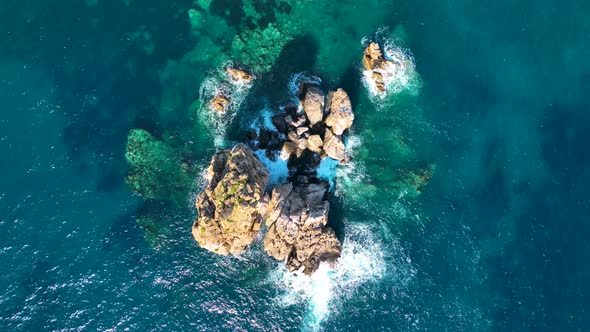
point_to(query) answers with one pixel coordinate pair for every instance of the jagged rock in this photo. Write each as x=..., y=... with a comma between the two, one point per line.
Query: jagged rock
x=288, y=149
x=264, y=138
x=339, y=109
x=374, y=61
x=313, y=104
x=315, y=143
x=280, y=122
x=220, y=103
x=301, y=131
x=228, y=208
x=238, y=75
x=299, y=121
x=250, y=135
x=296, y=217
x=372, y=56
x=334, y=146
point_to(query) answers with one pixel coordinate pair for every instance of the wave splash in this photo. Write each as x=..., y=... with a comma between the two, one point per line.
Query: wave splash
x=362, y=264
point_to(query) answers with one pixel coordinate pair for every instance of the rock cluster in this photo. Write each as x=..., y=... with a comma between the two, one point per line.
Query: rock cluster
x=318, y=125
x=229, y=208
x=296, y=217
x=380, y=68
x=296, y=214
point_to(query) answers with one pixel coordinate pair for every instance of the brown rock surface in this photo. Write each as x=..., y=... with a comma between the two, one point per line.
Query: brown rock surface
x=296, y=217
x=334, y=146
x=228, y=208
x=238, y=75
x=313, y=104
x=339, y=112
x=219, y=103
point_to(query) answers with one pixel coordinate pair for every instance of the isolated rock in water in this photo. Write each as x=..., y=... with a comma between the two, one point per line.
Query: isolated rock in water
x=313, y=104
x=334, y=146
x=228, y=208
x=296, y=217
x=315, y=143
x=339, y=109
x=374, y=61
x=238, y=75
x=219, y=103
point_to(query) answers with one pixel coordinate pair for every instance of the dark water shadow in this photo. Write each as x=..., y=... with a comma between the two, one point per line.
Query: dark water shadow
x=231, y=11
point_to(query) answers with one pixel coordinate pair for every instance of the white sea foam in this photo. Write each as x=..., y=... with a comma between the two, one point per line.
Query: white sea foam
x=362, y=264
x=219, y=84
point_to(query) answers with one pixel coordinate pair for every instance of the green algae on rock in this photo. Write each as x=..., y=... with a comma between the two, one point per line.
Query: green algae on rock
x=156, y=171
x=229, y=208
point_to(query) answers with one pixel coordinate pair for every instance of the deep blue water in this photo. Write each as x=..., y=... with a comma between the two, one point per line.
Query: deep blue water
x=497, y=241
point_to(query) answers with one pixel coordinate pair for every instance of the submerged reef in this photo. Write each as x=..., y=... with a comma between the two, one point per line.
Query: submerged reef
x=156, y=170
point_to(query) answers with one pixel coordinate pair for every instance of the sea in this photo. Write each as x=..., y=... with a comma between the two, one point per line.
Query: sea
x=464, y=206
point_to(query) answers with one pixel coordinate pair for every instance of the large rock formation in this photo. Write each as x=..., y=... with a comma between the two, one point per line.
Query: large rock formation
x=228, y=208
x=296, y=217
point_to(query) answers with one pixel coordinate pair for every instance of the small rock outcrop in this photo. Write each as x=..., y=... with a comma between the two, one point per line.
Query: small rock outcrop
x=228, y=209
x=379, y=67
x=238, y=75
x=219, y=103
x=296, y=217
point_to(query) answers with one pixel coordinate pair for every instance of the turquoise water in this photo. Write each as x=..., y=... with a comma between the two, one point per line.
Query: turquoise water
x=497, y=240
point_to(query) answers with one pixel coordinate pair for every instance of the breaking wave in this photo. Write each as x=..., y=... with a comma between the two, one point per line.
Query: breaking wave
x=361, y=265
